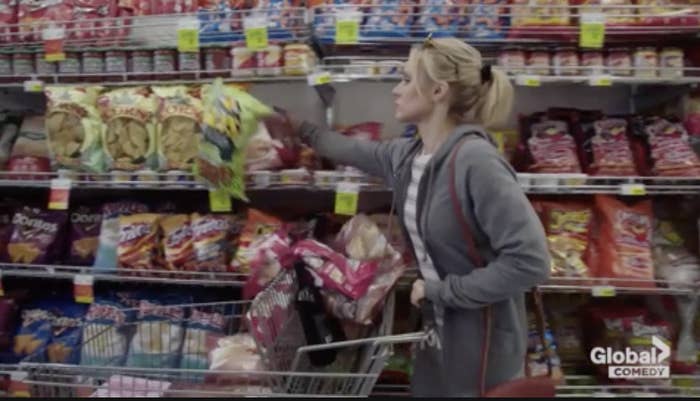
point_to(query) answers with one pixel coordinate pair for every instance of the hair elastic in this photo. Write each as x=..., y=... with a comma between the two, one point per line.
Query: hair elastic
x=486, y=73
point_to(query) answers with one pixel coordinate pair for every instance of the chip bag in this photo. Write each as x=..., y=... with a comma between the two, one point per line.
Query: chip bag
x=612, y=154
x=230, y=118
x=74, y=127
x=35, y=236
x=176, y=242
x=104, y=340
x=623, y=242
x=178, y=128
x=67, y=333
x=210, y=241
x=106, y=257
x=35, y=332
x=671, y=150
x=567, y=226
x=129, y=139
x=257, y=224
x=203, y=328
x=158, y=337
x=84, y=235
x=138, y=241
x=553, y=149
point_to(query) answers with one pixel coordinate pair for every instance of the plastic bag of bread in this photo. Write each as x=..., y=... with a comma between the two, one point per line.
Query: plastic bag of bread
x=236, y=353
x=74, y=127
x=230, y=118
x=129, y=138
x=178, y=127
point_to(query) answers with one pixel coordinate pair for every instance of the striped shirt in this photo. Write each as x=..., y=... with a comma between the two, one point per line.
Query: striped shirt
x=425, y=263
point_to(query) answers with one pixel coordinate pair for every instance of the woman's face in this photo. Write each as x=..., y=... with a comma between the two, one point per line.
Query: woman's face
x=411, y=106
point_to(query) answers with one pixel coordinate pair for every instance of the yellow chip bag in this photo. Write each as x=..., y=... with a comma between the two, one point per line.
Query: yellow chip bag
x=74, y=127
x=178, y=127
x=129, y=139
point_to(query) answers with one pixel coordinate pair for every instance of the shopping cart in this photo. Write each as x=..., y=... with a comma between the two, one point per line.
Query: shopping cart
x=180, y=368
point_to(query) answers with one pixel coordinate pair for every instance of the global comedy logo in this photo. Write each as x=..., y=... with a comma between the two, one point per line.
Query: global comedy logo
x=635, y=364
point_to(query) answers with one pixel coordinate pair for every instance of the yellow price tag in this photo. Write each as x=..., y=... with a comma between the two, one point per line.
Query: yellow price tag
x=319, y=78
x=600, y=80
x=219, y=200
x=346, y=199
x=633, y=189
x=527, y=80
x=347, y=32
x=256, y=38
x=188, y=40
x=59, y=194
x=83, y=291
x=592, y=30
x=34, y=86
x=53, y=57
x=603, y=291
x=499, y=137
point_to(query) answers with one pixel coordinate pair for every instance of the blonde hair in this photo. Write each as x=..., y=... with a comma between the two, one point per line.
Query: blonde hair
x=460, y=65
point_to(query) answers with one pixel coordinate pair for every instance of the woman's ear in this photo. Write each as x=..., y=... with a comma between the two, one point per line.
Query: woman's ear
x=440, y=91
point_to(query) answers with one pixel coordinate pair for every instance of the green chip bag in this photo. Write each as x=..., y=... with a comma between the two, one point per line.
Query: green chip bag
x=230, y=118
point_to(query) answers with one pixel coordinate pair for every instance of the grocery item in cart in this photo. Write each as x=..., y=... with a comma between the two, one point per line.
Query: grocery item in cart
x=622, y=237
x=388, y=18
x=34, y=334
x=670, y=149
x=35, y=16
x=178, y=129
x=159, y=334
x=674, y=262
x=74, y=127
x=441, y=18
x=567, y=226
x=105, y=342
x=138, y=241
x=30, y=152
x=177, y=242
x=36, y=236
x=132, y=387
x=84, y=235
x=203, y=328
x=211, y=242
x=66, y=327
x=552, y=148
x=106, y=257
x=488, y=19
x=611, y=149
x=230, y=118
x=257, y=224
x=236, y=353
x=273, y=253
x=129, y=139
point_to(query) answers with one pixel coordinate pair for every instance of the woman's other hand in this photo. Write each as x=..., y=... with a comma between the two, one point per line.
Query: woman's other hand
x=418, y=292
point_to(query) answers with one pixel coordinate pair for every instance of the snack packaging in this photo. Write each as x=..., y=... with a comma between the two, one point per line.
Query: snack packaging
x=106, y=258
x=230, y=118
x=36, y=236
x=257, y=224
x=612, y=153
x=552, y=148
x=671, y=150
x=132, y=387
x=178, y=127
x=674, y=262
x=104, y=340
x=567, y=226
x=8, y=17
x=220, y=20
x=538, y=18
x=35, y=16
x=66, y=333
x=281, y=19
x=273, y=253
x=177, y=242
x=129, y=138
x=30, y=152
x=34, y=333
x=84, y=236
x=488, y=19
x=441, y=18
x=210, y=240
x=6, y=228
x=138, y=241
x=202, y=329
x=158, y=337
x=623, y=242
x=236, y=353
x=388, y=18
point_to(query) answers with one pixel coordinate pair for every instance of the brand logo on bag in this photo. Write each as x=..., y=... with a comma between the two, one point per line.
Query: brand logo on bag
x=635, y=364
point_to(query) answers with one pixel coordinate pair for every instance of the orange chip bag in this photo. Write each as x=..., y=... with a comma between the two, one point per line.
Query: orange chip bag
x=210, y=241
x=138, y=241
x=257, y=224
x=176, y=242
x=567, y=225
x=623, y=245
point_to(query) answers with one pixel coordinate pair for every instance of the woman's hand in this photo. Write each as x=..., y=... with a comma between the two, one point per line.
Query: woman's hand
x=418, y=292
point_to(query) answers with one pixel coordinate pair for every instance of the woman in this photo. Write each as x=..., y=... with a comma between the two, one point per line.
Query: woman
x=450, y=94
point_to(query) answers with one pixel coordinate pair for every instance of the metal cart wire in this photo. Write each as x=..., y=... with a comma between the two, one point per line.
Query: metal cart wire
x=114, y=363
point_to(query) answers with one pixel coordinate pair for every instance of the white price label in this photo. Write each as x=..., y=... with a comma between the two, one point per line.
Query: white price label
x=600, y=80
x=633, y=189
x=527, y=80
x=34, y=85
x=53, y=33
x=603, y=291
x=319, y=78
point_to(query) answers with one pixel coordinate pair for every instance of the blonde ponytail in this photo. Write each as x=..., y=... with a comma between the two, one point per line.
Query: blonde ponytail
x=473, y=100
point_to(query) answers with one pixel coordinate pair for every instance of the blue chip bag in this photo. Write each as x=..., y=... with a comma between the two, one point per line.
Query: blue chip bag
x=220, y=20
x=488, y=19
x=66, y=333
x=34, y=335
x=105, y=342
x=204, y=328
x=159, y=334
x=281, y=17
x=441, y=18
x=392, y=18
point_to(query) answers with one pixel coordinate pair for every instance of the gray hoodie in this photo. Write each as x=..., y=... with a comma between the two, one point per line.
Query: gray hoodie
x=507, y=233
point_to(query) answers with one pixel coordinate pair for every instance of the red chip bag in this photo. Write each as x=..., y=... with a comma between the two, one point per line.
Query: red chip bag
x=349, y=277
x=567, y=226
x=257, y=224
x=624, y=242
x=178, y=250
x=670, y=149
x=138, y=242
x=552, y=148
x=210, y=241
x=612, y=154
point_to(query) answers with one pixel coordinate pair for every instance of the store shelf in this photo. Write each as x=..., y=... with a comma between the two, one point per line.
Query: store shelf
x=675, y=386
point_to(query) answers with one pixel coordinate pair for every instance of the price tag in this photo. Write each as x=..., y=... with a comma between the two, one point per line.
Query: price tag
x=319, y=78
x=346, y=198
x=83, y=290
x=347, y=31
x=53, y=44
x=527, y=80
x=188, y=35
x=34, y=86
x=255, y=32
x=633, y=189
x=60, y=194
x=592, y=30
x=2, y=291
x=600, y=80
x=603, y=291
x=219, y=200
